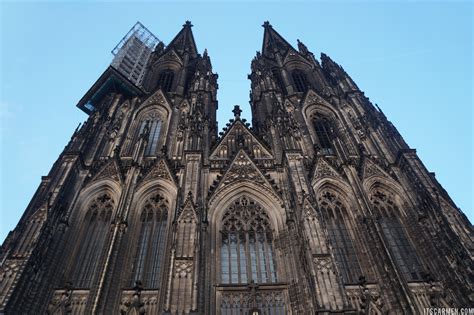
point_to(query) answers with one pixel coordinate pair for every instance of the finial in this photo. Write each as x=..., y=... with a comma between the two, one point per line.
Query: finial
x=188, y=24
x=266, y=24
x=302, y=47
x=237, y=111
x=205, y=53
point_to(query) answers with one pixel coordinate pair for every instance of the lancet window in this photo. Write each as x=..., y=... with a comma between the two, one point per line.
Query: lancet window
x=395, y=236
x=339, y=232
x=322, y=127
x=93, y=239
x=299, y=79
x=151, y=243
x=151, y=124
x=247, y=251
x=165, y=80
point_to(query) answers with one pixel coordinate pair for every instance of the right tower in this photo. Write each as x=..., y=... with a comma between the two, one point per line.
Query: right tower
x=374, y=230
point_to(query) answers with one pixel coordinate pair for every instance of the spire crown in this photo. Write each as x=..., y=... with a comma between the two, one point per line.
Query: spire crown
x=274, y=42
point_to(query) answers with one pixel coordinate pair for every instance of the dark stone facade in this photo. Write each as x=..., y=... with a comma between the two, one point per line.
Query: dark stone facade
x=320, y=207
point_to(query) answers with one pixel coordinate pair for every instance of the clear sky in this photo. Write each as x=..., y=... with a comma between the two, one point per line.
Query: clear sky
x=414, y=59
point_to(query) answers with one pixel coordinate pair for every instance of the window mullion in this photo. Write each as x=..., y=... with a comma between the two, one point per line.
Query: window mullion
x=267, y=260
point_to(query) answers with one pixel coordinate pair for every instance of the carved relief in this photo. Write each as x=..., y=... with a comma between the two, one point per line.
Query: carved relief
x=158, y=170
x=323, y=264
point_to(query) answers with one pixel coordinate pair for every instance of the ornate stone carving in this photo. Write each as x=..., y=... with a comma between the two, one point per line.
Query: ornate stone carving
x=243, y=169
x=323, y=169
x=109, y=171
x=323, y=263
x=158, y=170
x=183, y=268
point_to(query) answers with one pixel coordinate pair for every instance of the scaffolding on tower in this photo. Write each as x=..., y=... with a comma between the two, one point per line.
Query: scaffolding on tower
x=131, y=54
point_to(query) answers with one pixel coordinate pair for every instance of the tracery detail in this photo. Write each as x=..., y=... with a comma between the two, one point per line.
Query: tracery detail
x=247, y=252
x=94, y=236
x=339, y=232
x=322, y=127
x=386, y=211
x=151, y=242
x=150, y=126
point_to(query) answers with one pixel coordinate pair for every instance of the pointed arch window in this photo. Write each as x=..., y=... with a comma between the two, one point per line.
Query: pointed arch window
x=147, y=263
x=94, y=237
x=395, y=235
x=339, y=235
x=247, y=251
x=165, y=80
x=322, y=127
x=153, y=128
x=299, y=79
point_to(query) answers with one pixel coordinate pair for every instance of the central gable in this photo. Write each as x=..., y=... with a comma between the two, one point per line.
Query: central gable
x=243, y=169
x=239, y=137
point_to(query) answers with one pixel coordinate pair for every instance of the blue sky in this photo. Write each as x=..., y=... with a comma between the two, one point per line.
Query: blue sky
x=414, y=59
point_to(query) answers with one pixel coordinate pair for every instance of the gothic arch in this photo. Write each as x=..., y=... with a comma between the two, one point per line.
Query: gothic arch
x=92, y=190
x=243, y=252
x=326, y=113
x=338, y=185
x=149, y=224
x=94, y=212
x=168, y=61
x=148, y=188
x=224, y=197
x=337, y=209
x=396, y=191
x=389, y=208
x=157, y=118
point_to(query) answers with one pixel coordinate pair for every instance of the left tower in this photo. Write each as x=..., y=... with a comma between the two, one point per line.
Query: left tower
x=119, y=206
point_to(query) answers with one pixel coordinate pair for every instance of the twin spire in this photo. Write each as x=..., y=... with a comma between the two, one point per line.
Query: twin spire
x=273, y=42
x=184, y=41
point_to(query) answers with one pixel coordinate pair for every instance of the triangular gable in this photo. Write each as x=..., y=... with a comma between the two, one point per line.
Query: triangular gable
x=312, y=97
x=159, y=170
x=158, y=98
x=265, y=152
x=308, y=209
x=324, y=170
x=109, y=171
x=370, y=169
x=185, y=106
x=188, y=211
x=242, y=169
x=170, y=55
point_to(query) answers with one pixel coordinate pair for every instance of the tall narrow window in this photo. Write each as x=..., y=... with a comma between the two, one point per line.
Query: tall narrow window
x=247, y=245
x=278, y=80
x=94, y=237
x=395, y=235
x=151, y=243
x=165, y=81
x=154, y=126
x=339, y=236
x=299, y=79
x=323, y=133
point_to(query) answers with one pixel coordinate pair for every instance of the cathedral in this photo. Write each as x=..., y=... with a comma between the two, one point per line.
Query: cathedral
x=318, y=206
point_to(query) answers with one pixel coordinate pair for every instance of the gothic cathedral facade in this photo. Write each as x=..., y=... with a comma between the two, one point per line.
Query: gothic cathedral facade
x=319, y=207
